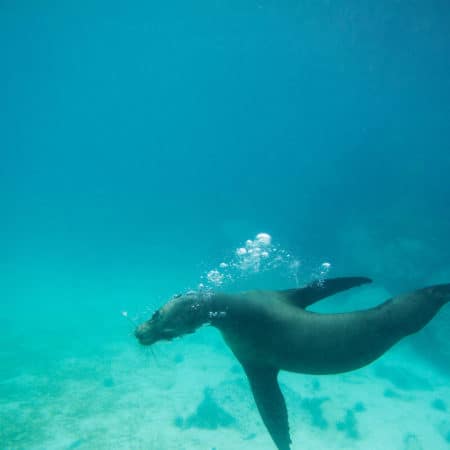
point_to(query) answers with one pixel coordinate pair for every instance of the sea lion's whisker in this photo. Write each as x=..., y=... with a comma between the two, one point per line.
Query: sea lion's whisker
x=148, y=350
x=154, y=356
x=125, y=314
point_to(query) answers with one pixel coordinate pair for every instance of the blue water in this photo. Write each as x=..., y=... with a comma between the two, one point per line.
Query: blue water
x=142, y=143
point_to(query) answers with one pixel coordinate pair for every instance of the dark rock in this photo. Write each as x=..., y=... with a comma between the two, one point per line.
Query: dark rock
x=411, y=442
x=359, y=407
x=316, y=385
x=76, y=444
x=249, y=437
x=349, y=425
x=208, y=415
x=178, y=422
x=179, y=358
x=108, y=382
x=444, y=430
x=439, y=404
x=314, y=406
x=390, y=393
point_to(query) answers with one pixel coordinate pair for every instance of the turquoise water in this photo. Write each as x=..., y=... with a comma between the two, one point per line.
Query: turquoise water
x=142, y=144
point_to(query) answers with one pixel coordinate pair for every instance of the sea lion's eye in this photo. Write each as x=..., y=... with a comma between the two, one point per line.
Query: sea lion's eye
x=156, y=315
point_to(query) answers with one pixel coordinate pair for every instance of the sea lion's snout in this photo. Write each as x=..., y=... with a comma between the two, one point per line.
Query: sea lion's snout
x=181, y=315
x=144, y=335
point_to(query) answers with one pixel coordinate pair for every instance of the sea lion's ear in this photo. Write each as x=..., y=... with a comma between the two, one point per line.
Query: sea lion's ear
x=317, y=290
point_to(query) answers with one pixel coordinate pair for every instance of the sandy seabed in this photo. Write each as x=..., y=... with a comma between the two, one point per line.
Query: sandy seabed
x=128, y=398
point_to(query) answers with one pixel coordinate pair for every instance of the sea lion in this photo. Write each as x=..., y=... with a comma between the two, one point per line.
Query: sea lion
x=269, y=331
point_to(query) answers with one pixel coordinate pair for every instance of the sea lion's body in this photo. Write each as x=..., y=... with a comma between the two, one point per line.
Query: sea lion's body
x=269, y=331
x=294, y=339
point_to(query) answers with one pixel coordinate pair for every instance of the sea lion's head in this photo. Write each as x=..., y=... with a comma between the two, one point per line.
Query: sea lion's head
x=181, y=315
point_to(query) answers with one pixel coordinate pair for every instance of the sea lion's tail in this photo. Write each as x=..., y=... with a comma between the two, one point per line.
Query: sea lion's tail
x=440, y=293
x=410, y=312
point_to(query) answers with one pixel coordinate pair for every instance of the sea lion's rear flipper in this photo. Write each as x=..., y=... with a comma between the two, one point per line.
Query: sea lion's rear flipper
x=270, y=402
x=317, y=290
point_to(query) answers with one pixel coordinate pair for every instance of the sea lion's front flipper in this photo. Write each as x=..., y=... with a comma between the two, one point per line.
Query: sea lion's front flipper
x=317, y=290
x=270, y=402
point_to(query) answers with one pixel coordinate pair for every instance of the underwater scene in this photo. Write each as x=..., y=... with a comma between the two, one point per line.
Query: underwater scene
x=225, y=225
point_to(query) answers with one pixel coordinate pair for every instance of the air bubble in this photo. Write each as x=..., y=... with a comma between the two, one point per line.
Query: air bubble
x=255, y=256
x=264, y=238
x=215, y=277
